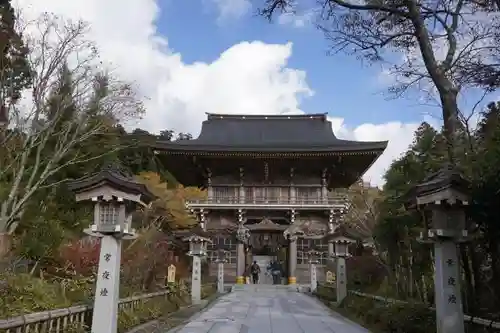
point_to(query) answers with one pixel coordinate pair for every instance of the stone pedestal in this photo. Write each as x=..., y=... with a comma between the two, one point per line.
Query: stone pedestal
x=341, y=279
x=449, y=312
x=220, y=277
x=292, y=261
x=331, y=254
x=196, y=281
x=314, y=277
x=331, y=249
x=105, y=313
x=240, y=263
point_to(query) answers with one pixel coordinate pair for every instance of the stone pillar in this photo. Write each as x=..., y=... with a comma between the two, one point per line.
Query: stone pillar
x=293, y=191
x=220, y=277
x=196, y=280
x=341, y=279
x=241, y=193
x=314, y=278
x=449, y=312
x=240, y=263
x=210, y=190
x=331, y=251
x=324, y=189
x=448, y=299
x=293, y=194
x=444, y=194
x=210, y=193
x=292, y=261
x=105, y=316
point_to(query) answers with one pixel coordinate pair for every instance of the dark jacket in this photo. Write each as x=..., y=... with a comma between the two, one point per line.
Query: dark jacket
x=276, y=267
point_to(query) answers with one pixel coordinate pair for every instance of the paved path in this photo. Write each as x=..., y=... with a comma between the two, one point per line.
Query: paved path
x=269, y=311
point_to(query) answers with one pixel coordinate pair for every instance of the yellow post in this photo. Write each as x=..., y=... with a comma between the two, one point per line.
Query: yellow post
x=240, y=280
x=292, y=280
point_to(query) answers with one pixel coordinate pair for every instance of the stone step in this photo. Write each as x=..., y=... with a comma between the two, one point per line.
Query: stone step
x=269, y=287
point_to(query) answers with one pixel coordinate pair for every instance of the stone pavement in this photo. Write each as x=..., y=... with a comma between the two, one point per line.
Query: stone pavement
x=268, y=310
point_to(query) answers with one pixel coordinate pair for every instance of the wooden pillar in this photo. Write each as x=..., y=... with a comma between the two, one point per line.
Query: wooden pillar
x=292, y=260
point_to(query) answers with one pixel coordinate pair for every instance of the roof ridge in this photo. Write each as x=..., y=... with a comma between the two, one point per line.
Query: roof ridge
x=210, y=116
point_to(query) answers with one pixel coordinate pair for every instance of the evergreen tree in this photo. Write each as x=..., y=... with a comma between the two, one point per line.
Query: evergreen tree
x=15, y=71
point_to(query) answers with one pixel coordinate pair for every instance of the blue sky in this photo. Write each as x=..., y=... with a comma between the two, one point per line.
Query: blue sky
x=344, y=86
x=187, y=58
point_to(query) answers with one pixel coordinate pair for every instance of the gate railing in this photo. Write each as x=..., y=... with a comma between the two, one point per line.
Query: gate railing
x=75, y=318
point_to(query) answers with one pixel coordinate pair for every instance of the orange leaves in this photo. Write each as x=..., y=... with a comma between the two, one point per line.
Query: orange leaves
x=176, y=204
x=171, y=203
x=80, y=256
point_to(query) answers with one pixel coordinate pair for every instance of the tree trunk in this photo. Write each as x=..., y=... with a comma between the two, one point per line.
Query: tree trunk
x=425, y=290
x=476, y=275
x=495, y=265
x=5, y=245
x=469, y=289
x=410, y=273
x=451, y=121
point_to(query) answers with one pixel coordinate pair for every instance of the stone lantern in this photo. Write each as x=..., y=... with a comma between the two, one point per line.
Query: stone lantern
x=115, y=196
x=443, y=197
x=341, y=240
x=198, y=241
x=222, y=255
x=314, y=256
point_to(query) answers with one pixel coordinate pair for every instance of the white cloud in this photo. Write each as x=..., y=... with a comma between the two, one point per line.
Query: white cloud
x=296, y=20
x=232, y=8
x=399, y=135
x=249, y=77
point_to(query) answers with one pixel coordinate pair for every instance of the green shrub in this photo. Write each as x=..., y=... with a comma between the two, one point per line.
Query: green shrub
x=24, y=293
x=208, y=290
x=390, y=317
x=326, y=293
x=157, y=307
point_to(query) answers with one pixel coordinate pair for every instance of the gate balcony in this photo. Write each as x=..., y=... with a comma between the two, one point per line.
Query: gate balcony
x=273, y=198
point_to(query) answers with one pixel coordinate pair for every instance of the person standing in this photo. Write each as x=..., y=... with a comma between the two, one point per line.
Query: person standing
x=255, y=270
x=276, y=272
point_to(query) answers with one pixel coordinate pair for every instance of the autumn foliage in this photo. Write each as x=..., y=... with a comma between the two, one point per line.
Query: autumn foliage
x=80, y=257
x=145, y=260
x=169, y=210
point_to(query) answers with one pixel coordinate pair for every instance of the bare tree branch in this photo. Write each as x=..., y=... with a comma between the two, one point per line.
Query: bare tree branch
x=49, y=132
x=437, y=43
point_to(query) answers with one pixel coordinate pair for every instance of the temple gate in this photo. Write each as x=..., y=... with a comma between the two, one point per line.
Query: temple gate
x=274, y=186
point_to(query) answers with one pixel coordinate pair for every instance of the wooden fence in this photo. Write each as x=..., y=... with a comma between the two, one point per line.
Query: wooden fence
x=487, y=323
x=72, y=319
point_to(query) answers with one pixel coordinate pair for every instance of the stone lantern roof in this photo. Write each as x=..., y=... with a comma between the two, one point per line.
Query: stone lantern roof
x=445, y=185
x=341, y=234
x=197, y=234
x=111, y=177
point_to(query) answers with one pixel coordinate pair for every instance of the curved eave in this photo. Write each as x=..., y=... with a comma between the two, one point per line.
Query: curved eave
x=87, y=183
x=341, y=148
x=188, y=174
